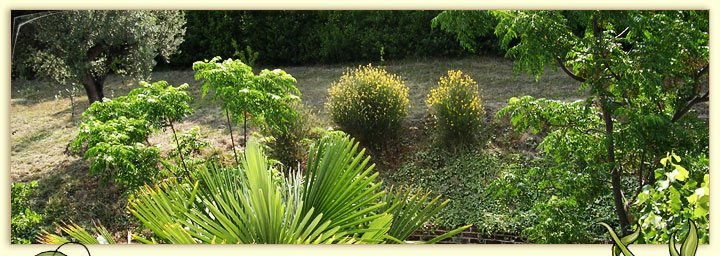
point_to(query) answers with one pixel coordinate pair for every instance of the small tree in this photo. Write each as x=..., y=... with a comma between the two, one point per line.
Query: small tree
x=244, y=95
x=85, y=46
x=115, y=132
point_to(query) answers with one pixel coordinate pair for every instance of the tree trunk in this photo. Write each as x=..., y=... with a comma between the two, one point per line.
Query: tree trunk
x=245, y=129
x=99, y=85
x=91, y=90
x=618, y=198
x=94, y=87
x=232, y=139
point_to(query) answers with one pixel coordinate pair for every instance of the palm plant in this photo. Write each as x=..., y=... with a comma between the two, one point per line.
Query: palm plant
x=336, y=200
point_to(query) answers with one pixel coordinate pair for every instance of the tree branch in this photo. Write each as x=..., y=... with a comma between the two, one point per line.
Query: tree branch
x=611, y=72
x=565, y=69
x=641, y=179
x=702, y=71
x=697, y=99
x=684, y=110
x=94, y=51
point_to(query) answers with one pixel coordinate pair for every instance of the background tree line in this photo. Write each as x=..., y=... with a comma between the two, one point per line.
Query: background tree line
x=299, y=37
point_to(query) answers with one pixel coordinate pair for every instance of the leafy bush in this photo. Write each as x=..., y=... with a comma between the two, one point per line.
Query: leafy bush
x=369, y=104
x=290, y=147
x=560, y=220
x=552, y=204
x=575, y=140
x=681, y=196
x=24, y=221
x=114, y=133
x=263, y=97
x=457, y=109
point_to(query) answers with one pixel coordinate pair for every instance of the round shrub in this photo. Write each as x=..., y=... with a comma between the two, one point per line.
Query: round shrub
x=456, y=108
x=369, y=104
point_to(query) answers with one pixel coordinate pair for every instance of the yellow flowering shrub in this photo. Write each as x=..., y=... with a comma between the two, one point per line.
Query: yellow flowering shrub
x=456, y=108
x=369, y=104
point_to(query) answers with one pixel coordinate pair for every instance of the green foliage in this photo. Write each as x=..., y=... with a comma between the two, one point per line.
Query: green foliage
x=24, y=221
x=470, y=27
x=411, y=209
x=465, y=177
x=456, y=106
x=290, y=147
x=369, y=104
x=559, y=220
x=78, y=234
x=84, y=46
x=306, y=37
x=336, y=201
x=677, y=196
x=246, y=56
x=190, y=146
x=564, y=193
x=113, y=133
x=264, y=96
x=553, y=204
x=160, y=103
x=572, y=129
x=535, y=198
x=645, y=70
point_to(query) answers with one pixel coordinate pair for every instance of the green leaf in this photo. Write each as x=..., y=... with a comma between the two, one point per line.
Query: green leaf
x=690, y=244
x=629, y=239
x=682, y=173
x=618, y=242
x=448, y=234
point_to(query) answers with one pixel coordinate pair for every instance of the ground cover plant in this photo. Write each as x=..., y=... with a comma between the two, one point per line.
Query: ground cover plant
x=582, y=122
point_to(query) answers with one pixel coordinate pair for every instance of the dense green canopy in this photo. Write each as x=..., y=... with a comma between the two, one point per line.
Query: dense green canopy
x=83, y=47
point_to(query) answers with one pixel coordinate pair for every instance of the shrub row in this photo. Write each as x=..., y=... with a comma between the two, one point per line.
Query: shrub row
x=305, y=37
x=370, y=104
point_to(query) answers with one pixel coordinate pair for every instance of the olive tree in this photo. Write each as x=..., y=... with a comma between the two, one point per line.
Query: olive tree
x=84, y=46
x=645, y=70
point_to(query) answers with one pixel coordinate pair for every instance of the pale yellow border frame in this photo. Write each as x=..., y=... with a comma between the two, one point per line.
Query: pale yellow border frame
x=137, y=250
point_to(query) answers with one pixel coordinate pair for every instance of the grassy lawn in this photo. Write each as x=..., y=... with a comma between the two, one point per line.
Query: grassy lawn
x=42, y=124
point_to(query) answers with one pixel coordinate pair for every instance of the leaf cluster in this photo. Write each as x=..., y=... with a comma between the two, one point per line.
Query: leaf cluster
x=24, y=222
x=114, y=133
x=263, y=97
x=70, y=45
x=678, y=195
